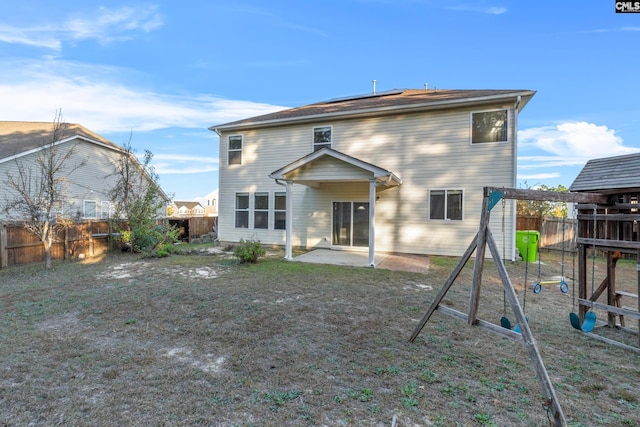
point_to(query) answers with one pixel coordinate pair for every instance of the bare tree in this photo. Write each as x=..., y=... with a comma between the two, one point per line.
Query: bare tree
x=136, y=197
x=37, y=190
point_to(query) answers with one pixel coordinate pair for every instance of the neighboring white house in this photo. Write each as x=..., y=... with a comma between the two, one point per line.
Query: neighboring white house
x=210, y=203
x=184, y=209
x=398, y=171
x=89, y=173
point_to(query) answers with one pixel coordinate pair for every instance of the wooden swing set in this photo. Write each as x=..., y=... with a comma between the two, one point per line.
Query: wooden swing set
x=484, y=238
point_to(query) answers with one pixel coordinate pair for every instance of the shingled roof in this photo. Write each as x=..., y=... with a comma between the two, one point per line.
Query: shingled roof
x=609, y=173
x=20, y=137
x=380, y=103
x=188, y=205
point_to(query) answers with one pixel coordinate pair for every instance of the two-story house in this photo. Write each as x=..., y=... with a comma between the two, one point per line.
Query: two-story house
x=186, y=209
x=86, y=176
x=398, y=171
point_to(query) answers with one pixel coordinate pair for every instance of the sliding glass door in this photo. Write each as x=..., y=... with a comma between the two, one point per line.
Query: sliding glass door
x=350, y=224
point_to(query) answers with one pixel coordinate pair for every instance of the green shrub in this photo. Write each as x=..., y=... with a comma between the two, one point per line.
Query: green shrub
x=165, y=250
x=150, y=239
x=249, y=251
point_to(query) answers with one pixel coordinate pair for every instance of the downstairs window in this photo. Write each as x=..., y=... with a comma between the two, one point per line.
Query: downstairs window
x=445, y=205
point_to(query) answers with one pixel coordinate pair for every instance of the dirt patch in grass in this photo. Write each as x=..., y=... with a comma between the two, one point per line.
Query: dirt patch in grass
x=200, y=340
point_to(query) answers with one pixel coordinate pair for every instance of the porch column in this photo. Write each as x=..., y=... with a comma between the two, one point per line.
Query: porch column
x=288, y=253
x=372, y=222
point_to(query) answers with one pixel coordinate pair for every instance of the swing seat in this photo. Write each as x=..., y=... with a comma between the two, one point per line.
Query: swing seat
x=589, y=321
x=564, y=287
x=505, y=322
x=517, y=328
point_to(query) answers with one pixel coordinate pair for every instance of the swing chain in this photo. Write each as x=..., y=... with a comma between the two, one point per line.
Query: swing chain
x=504, y=257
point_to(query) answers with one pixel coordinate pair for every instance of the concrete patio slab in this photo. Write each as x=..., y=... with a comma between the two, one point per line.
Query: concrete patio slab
x=328, y=256
x=401, y=262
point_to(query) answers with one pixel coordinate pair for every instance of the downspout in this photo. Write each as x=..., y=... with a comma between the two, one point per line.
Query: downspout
x=515, y=175
x=288, y=252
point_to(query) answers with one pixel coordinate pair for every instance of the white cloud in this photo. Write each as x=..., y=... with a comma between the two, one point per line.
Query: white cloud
x=110, y=24
x=559, y=152
x=104, y=25
x=614, y=30
x=571, y=143
x=95, y=98
x=539, y=176
x=182, y=164
x=30, y=37
x=492, y=10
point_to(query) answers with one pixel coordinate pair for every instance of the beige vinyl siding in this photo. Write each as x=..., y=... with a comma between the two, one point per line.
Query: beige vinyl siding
x=331, y=170
x=79, y=183
x=426, y=150
x=89, y=182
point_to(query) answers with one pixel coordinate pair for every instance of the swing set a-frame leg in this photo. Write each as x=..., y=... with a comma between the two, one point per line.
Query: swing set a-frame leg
x=483, y=238
x=452, y=278
x=527, y=336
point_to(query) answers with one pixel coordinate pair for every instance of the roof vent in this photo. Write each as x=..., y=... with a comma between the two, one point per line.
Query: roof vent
x=426, y=86
x=374, y=86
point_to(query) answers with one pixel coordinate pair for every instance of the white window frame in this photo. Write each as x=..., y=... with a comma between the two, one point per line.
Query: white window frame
x=84, y=209
x=446, y=201
x=261, y=210
x=508, y=133
x=234, y=150
x=238, y=210
x=316, y=146
x=276, y=211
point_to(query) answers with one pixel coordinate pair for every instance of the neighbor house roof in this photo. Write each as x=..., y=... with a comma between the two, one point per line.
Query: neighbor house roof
x=188, y=205
x=20, y=137
x=609, y=173
x=405, y=100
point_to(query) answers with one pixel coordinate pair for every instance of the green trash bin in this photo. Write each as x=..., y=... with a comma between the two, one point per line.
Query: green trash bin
x=527, y=240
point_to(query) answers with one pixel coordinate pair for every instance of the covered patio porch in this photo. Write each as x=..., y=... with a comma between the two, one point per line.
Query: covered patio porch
x=330, y=166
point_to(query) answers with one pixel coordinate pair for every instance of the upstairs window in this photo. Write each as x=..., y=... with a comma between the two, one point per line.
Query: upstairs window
x=235, y=150
x=242, y=210
x=489, y=126
x=261, y=210
x=321, y=137
x=90, y=209
x=445, y=205
x=280, y=211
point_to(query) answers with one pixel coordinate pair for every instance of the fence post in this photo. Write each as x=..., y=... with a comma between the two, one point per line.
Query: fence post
x=4, y=258
x=91, y=253
x=66, y=243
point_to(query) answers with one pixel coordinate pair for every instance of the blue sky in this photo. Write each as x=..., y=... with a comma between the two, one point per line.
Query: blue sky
x=165, y=71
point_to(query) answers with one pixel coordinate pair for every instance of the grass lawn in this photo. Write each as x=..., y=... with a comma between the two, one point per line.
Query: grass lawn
x=199, y=340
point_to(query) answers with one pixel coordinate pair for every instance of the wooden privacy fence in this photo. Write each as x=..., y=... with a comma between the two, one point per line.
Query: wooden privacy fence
x=19, y=246
x=528, y=222
x=200, y=226
x=551, y=233
x=551, y=230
